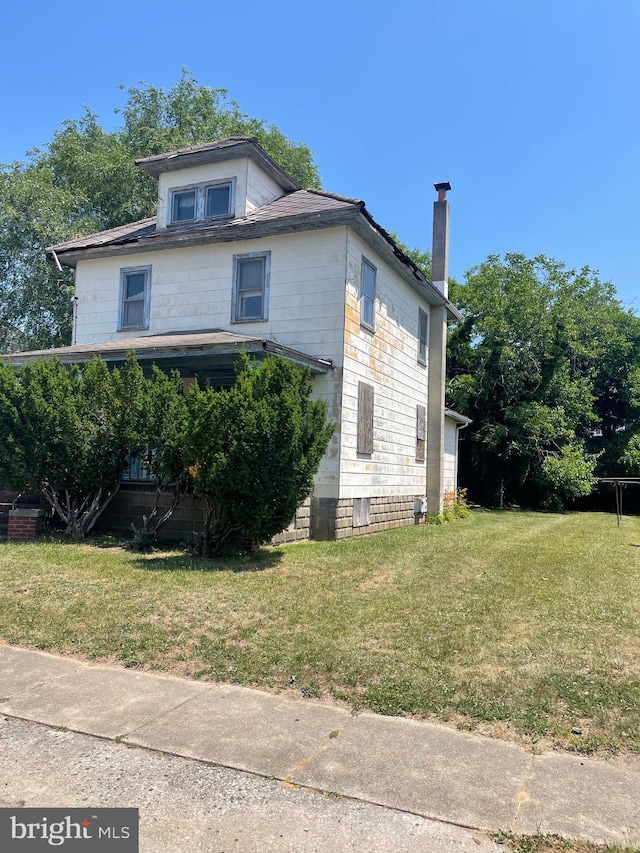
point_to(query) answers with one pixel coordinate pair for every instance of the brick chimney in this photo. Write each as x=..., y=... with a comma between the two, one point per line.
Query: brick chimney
x=437, y=353
x=440, y=245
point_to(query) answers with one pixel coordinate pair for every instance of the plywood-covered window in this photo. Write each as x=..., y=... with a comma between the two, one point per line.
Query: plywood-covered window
x=365, y=418
x=421, y=433
x=361, y=512
x=368, y=295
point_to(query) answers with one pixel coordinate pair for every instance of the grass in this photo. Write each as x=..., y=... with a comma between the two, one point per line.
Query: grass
x=524, y=623
x=554, y=844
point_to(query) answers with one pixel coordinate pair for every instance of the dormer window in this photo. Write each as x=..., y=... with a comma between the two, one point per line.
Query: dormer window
x=201, y=202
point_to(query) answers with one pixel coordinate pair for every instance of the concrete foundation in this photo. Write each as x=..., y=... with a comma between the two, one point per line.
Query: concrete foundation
x=317, y=518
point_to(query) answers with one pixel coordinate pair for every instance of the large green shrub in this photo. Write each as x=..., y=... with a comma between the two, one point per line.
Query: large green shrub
x=67, y=432
x=254, y=449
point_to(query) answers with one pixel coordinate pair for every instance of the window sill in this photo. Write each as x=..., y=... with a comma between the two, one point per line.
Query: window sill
x=209, y=220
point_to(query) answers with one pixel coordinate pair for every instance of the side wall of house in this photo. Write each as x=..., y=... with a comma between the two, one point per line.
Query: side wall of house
x=450, y=456
x=378, y=488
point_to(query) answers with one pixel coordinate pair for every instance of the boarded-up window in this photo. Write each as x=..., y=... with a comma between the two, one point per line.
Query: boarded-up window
x=421, y=433
x=361, y=512
x=365, y=418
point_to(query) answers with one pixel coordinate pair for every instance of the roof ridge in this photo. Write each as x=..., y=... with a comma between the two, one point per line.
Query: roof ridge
x=337, y=196
x=197, y=146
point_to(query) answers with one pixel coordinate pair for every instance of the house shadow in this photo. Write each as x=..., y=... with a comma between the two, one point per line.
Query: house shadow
x=236, y=562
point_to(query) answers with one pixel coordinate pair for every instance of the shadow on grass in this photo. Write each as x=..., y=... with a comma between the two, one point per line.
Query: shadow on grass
x=257, y=561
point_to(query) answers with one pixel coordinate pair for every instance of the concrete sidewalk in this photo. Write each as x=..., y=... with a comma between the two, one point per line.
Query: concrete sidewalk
x=425, y=769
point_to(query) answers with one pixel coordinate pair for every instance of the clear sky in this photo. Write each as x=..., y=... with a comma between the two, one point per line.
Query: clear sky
x=530, y=108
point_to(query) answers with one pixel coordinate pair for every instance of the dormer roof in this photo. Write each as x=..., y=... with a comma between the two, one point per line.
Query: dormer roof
x=231, y=148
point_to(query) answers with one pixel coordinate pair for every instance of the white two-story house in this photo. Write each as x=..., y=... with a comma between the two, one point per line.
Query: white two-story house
x=239, y=257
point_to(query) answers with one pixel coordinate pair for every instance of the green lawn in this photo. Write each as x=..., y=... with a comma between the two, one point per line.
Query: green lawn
x=527, y=623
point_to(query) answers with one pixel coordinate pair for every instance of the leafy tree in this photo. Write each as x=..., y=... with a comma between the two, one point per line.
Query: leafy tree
x=631, y=456
x=537, y=348
x=86, y=180
x=162, y=433
x=253, y=450
x=67, y=432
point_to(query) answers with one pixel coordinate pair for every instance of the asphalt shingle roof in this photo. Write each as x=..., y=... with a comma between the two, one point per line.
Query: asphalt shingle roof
x=300, y=203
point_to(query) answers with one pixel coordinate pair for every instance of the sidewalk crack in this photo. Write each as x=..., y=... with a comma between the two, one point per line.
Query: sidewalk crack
x=288, y=779
x=523, y=796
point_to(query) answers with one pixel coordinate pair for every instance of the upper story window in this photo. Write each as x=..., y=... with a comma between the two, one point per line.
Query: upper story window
x=250, y=300
x=368, y=295
x=423, y=335
x=203, y=201
x=135, y=297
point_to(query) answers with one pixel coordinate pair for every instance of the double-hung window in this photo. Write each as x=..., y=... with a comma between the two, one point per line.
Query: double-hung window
x=250, y=300
x=183, y=206
x=135, y=294
x=202, y=202
x=368, y=295
x=423, y=335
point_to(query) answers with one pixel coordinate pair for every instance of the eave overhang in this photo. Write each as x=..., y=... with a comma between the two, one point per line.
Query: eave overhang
x=201, y=155
x=462, y=420
x=354, y=215
x=211, y=353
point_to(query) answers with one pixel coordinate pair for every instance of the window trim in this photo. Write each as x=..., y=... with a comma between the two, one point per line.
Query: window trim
x=363, y=297
x=423, y=359
x=235, y=293
x=200, y=190
x=124, y=272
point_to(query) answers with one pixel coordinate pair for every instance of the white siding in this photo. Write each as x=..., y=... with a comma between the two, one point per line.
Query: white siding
x=254, y=188
x=387, y=359
x=261, y=189
x=191, y=289
x=450, y=456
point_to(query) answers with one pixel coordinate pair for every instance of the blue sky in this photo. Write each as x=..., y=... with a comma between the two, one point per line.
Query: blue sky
x=530, y=108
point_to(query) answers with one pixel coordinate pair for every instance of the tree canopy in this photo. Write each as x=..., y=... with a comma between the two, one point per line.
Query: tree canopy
x=86, y=180
x=547, y=363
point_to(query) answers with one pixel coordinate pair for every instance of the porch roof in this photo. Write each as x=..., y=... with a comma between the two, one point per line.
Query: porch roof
x=208, y=352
